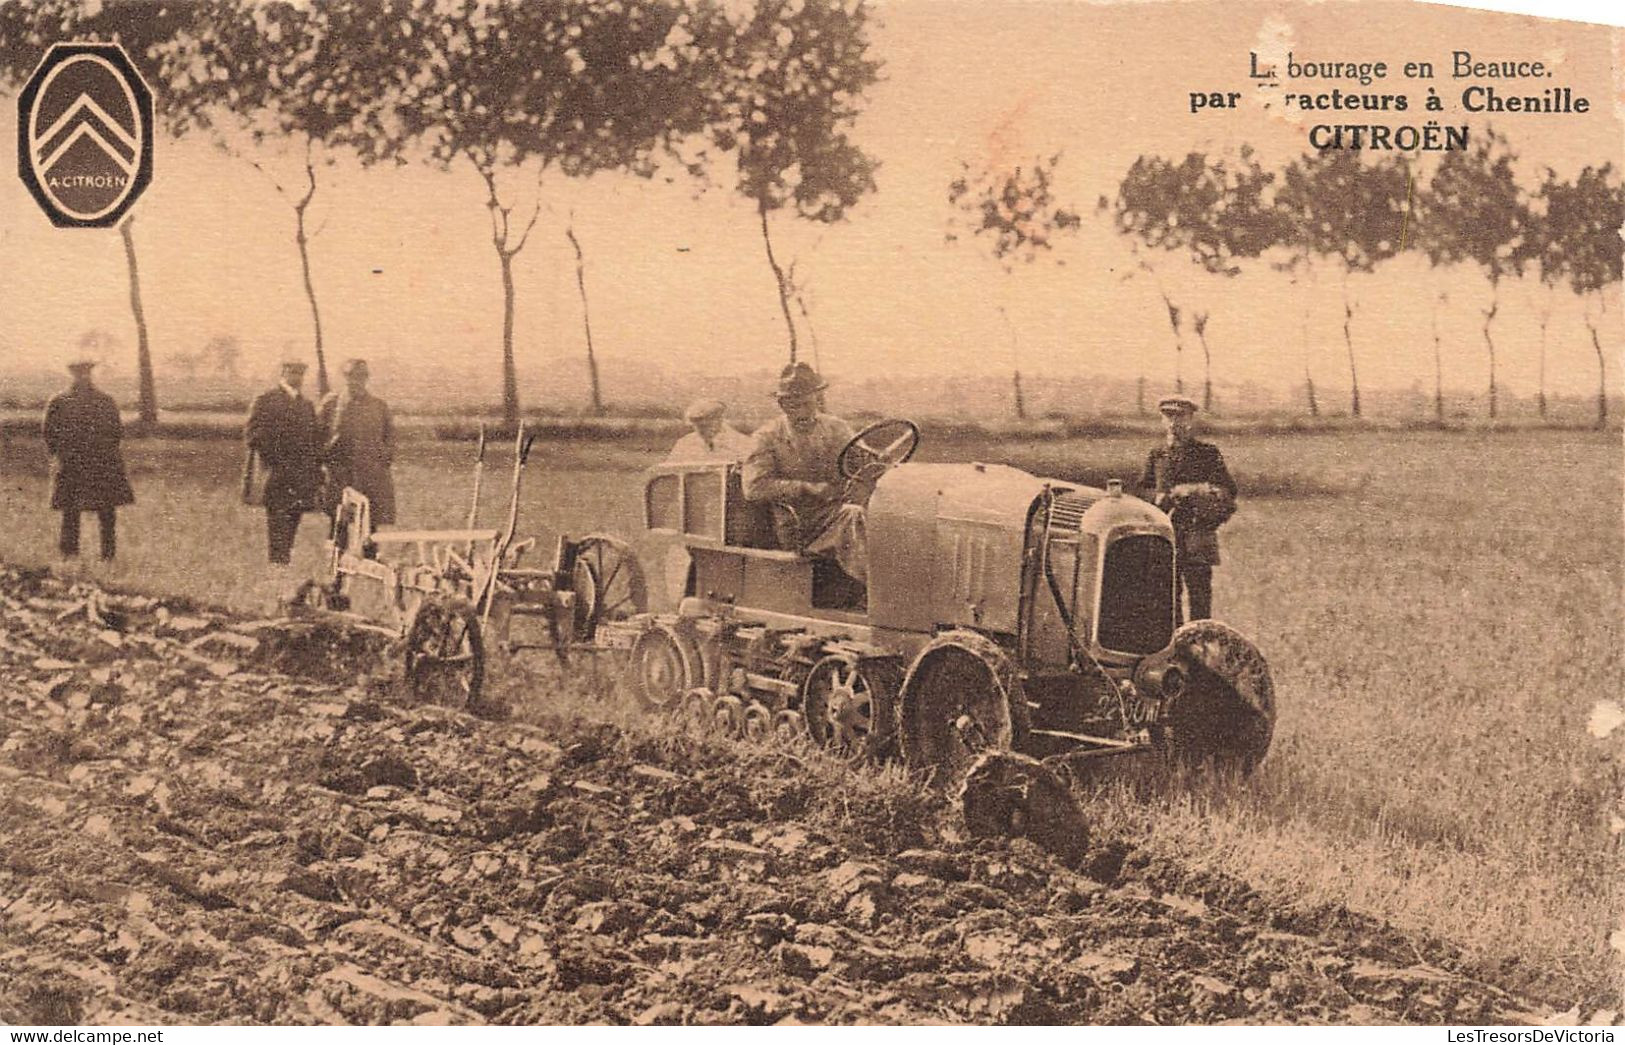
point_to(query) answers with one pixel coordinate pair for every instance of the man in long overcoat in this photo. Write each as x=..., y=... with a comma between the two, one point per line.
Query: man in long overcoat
x=82, y=432
x=283, y=434
x=360, y=444
x=1188, y=479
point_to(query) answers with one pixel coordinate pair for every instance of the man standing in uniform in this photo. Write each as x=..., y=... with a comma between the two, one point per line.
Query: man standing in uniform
x=1187, y=479
x=282, y=432
x=360, y=444
x=82, y=431
x=713, y=438
x=792, y=462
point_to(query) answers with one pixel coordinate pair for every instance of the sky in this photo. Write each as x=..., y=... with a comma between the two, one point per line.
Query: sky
x=679, y=283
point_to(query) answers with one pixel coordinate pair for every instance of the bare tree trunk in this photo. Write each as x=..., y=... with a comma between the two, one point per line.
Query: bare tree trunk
x=501, y=234
x=1438, y=364
x=586, y=318
x=1489, y=316
x=778, y=278
x=1540, y=394
x=304, y=263
x=1348, y=340
x=147, y=396
x=1308, y=378
x=1602, y=368
x=1207, y=366
x=510, y=375
x=1015, y=365
x=1139, y=396
x=812, y=331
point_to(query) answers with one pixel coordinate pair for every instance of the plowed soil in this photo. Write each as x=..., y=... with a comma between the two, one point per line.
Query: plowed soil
x=190, y=833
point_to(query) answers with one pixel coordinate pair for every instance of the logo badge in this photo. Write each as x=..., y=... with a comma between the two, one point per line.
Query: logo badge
x=84, y=134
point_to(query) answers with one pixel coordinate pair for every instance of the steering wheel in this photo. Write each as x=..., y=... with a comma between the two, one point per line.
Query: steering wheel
x=878, y=449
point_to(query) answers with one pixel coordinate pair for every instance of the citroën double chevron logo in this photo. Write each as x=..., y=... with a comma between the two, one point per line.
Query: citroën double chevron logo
x=84, y=134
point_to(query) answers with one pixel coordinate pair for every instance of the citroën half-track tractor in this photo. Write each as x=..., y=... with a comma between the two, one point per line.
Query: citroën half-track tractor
x=1003, y=612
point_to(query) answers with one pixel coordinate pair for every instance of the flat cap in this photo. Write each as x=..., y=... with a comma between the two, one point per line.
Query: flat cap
x=704, y=409
x=352, y=367
x=1176, y=405
x=81, y=363
x=294, y=364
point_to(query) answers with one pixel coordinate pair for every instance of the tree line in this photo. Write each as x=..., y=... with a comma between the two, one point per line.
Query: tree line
x=1336, y=213
x=759, y=100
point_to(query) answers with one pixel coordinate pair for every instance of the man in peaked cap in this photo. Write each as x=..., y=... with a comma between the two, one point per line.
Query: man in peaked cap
x=792, y=463
x=359, y=444
x=713, y=438
x=283, y=434
x=82, y=432
x=1187, y=478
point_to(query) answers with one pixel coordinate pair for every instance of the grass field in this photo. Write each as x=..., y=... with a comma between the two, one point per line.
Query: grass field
x=1441, y=611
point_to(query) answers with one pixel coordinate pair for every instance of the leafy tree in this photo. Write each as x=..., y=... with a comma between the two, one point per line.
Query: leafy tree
x=1217, y=211
x=586, y=316
x=1345, y=210
x=141, y=26
x=1017, y=218
x=1477, y=212
x=787, y=81
x=273, y=82
x=1583, y=220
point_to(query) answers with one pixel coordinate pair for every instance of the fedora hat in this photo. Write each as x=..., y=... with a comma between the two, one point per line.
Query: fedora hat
x=797, y=380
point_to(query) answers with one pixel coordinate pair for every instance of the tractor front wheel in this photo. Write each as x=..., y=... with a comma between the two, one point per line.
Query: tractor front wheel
x=962, y=697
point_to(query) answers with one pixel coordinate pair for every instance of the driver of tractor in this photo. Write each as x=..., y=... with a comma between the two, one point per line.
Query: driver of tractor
x=793, y=466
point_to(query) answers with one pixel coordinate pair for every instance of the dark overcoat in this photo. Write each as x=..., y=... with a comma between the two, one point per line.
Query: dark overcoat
x=282, y=431
x=1192, y=461
x=360, y=450
x=82, y=432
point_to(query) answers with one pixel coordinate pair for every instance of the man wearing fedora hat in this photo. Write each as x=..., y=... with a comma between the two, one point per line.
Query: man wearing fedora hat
x=1188, y=479
x=792, y=462
x=283, y=434
x=713, y=438
x=360, y=444
x=82, y=431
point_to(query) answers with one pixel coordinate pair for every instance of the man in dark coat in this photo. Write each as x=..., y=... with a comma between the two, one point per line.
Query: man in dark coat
x=1187, y=478
x=282, y=433
x=82, y=432
x=359, y=445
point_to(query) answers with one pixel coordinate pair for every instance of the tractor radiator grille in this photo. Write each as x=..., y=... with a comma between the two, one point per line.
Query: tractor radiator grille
x=1067, y=514
x=1136, y=594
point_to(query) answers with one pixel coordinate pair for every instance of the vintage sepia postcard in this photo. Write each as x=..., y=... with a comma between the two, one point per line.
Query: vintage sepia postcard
x=769, y=512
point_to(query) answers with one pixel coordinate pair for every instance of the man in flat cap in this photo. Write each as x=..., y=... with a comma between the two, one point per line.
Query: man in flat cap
x=283, y=434
x=82, y=431
x=1187, y=478
x=792, y=462
x=713, y=438
x=360, y=444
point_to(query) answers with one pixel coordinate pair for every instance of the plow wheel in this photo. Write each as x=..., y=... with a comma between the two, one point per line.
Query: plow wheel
x=608, y=584
x=664, y=666
x=962, y=697
x=849, y=706
x=789, y=726
x=728, y=715
x=1225, y=714
x=758, y=721
x=445, y=657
